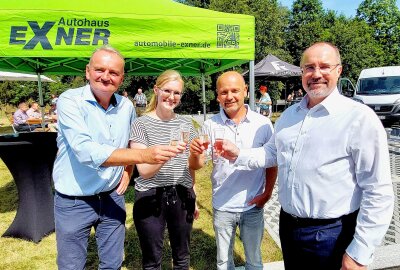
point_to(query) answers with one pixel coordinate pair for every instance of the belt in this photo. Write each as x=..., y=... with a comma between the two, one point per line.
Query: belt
x=305, y=222
x=140, y=105
x=98, y=195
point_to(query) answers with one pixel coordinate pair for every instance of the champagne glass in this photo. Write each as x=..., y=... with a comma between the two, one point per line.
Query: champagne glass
x=205, y=141
x=185, y=132
x=174, y=139
x=218, y=141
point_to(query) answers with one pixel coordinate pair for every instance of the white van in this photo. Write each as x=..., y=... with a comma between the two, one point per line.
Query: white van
x=379, y=88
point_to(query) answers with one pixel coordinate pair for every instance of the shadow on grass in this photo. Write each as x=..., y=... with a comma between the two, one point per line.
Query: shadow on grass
x=8, y=197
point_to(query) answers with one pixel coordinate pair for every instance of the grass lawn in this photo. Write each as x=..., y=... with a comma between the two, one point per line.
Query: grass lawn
x=20, y=254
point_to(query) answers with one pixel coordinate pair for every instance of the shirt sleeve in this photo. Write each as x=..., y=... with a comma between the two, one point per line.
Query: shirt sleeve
x=256, y=158
x=370, y=153
x=74, y=130
x=19, y=119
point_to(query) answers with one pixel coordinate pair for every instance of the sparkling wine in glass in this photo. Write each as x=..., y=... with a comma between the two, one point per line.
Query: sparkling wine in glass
x=205, y=141
x=218, y=146
x=218, y=141
x=175, y=137
x=185, y=132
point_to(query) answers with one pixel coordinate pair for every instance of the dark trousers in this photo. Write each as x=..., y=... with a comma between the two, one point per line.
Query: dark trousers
x=26, y=127
x=74, y=218
x=156, y=209
x=315, y=243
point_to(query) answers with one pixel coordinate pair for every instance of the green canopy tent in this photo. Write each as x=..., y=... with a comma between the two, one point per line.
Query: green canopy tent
x=50, y=37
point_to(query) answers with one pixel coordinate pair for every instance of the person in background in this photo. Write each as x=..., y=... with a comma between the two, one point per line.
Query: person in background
x=238, y=196
x=33, y=111
x=93, y=164
x=21, y=119
x=54, y=98
x=335, y=184
x=290, y=98
x=140, y=102
x=53, y=125
x=125, y=94
x=164, y=193
x=298, y=95
x=265, y=102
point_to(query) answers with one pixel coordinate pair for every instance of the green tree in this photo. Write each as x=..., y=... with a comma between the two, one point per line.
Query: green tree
x=195, y=3
x=357, y=46
x=306, y=26
x=384, y=17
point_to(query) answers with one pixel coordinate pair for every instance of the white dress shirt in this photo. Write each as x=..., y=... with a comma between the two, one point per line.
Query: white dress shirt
x=232, y=189
x=332, y=160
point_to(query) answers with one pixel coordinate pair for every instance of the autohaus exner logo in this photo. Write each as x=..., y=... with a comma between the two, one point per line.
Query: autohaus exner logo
x=68, y=32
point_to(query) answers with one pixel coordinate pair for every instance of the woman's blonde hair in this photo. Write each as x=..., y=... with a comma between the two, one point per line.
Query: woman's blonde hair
x=167, y=76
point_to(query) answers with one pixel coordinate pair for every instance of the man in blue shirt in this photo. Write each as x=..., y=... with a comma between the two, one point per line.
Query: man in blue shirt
x=93, y=165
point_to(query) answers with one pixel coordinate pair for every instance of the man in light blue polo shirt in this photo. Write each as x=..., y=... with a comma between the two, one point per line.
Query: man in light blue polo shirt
x=238, y=196
x=93, y=167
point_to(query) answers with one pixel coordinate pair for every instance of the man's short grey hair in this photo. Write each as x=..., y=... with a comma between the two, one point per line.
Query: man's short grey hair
x=107, y=48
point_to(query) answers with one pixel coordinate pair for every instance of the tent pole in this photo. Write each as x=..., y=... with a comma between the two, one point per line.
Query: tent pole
x=41, y=98
x=251, y=84
x=203, y=87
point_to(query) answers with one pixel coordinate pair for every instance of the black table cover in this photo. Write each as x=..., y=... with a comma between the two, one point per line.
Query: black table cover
x=30, y=158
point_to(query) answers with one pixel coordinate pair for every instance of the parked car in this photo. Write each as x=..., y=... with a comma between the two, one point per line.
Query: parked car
x=378, y=88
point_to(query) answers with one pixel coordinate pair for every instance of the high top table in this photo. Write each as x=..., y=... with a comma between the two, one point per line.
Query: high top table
x=30, y=157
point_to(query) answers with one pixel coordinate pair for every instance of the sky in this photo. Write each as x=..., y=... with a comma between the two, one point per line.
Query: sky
x=347, y=7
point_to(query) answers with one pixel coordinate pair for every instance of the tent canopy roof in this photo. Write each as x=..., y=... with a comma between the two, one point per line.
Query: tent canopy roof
x=153, y=35
x=14, y=76
x=274, y=68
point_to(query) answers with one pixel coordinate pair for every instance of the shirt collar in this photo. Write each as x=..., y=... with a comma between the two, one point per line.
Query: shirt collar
x=331, y=103
x=88, y=96
x=225, y=118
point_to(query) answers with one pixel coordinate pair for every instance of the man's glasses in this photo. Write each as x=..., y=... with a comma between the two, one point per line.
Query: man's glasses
x=167, y=93
x=324, y=69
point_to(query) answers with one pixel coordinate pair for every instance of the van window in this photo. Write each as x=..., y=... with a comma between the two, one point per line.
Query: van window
x=379, y=85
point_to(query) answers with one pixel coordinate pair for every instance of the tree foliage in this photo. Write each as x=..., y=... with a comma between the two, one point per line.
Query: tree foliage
x=305, y=26
x=384, y=17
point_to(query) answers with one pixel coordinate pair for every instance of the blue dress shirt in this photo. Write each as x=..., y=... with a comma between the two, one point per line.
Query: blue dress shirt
x=87, y=136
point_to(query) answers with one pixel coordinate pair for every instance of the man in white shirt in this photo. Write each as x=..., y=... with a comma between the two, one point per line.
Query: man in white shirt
x=238, y=196
x=33, y=111
x=334, y=183
x=140, y=102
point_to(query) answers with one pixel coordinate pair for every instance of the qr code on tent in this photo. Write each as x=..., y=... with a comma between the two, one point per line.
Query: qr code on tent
x=228, y=36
